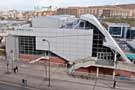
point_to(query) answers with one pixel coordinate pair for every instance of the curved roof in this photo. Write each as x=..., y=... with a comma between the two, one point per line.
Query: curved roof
x=110, y=42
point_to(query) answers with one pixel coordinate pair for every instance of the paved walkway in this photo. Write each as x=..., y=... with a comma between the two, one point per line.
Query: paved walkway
x=35, y=74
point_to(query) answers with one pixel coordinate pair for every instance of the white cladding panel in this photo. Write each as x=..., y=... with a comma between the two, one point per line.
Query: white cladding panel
x=67, y=43
x=52, y=21
x=45, y=22
x=12, y=49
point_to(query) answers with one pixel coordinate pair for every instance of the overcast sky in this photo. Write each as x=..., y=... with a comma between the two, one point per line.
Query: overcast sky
x=29, y=4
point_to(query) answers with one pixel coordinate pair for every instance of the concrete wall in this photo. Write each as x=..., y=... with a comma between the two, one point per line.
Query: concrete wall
x=12, y=50
x=92, y=69
x=104, y=71
x=44, y=22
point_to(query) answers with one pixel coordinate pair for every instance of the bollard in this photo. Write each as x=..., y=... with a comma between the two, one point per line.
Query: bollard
x=25, y=83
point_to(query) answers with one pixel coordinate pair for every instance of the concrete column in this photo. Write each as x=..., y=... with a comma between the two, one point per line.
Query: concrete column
x=114, y=74
x=97, y=72
x=115, y=65
x=12, y=48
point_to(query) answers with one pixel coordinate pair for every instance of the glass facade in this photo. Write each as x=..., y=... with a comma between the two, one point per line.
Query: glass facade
x=131, y=34
x=98, y=39
x=27, y=45
x=115, y=31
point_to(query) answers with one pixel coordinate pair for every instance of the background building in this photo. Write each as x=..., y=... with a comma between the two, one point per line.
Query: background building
x=119, y=30
x=116, y=11
x=125, y=37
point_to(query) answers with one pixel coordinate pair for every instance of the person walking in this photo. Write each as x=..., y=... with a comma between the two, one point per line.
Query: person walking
x=16, y=68
x=114, y=84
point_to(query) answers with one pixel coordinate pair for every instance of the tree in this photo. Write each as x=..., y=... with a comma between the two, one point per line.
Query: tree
x=2, y=18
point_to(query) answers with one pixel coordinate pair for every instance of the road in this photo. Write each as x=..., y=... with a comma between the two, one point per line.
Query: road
x=6, y=86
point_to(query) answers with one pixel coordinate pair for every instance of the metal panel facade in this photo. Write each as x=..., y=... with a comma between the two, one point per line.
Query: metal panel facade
x=68, y=43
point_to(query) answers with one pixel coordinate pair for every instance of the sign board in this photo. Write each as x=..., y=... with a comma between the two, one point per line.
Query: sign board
x=24, y=29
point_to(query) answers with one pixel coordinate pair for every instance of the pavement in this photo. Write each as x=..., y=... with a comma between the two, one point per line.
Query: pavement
x=35, y=75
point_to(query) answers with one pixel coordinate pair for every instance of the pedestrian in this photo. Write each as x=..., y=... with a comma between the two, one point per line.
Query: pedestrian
x=23, y=82
x=7, y=64
x=68, y=65
x=16, y=68
x=114, y=84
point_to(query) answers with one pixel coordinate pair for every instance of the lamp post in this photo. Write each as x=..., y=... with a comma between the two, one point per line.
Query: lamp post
x=115, y=67
x=7, y=64
x=49, y=75
x=12, y=61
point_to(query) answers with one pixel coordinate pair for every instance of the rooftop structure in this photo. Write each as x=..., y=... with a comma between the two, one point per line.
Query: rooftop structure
x=52, y=21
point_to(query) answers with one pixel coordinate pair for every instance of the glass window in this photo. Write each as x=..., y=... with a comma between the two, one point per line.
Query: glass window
x=115, y=31
x=81, y=25
x=27, y=45
x=133, y=34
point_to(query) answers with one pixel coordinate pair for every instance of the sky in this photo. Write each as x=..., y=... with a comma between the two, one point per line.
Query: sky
x=30, y=4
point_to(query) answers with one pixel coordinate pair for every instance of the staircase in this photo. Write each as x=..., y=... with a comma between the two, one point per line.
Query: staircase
x=87, y=62
x=90, y=61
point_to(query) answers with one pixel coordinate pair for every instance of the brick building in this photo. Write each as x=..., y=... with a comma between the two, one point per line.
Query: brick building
x=99, y=11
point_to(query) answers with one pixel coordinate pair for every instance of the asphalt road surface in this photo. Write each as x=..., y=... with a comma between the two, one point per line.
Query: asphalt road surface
x=5, y=86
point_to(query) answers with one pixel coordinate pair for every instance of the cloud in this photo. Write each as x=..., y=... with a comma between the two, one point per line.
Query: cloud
x=16, y=4
x=64, y=3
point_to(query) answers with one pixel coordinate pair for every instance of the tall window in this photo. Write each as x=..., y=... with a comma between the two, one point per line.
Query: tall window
x=98, y=39
x=27, y=45
x=115, y=31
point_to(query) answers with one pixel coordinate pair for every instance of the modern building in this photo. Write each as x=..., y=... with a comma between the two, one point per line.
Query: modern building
x=124, y=35
x=131, y=33
x=81, y=42
x=119, y=30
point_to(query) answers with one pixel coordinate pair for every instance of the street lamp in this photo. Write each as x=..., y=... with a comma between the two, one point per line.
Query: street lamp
x=49, y=78
x=115, y=67
x=12, y=59
x=7, y=64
